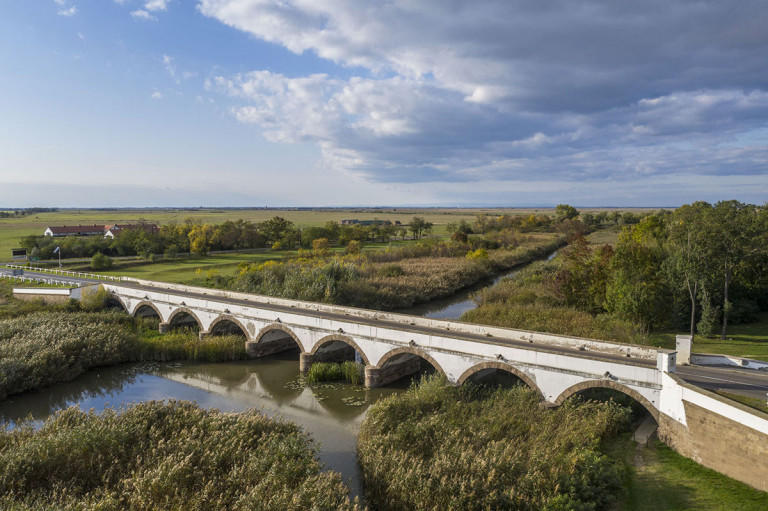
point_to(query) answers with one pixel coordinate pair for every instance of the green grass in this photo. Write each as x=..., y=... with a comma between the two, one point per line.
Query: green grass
x=747, y=340
x=663, y=480
x=184, y=270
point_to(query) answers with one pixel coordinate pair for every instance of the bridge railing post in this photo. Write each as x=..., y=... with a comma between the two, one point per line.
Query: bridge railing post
x=666, y=361
x=683, y=345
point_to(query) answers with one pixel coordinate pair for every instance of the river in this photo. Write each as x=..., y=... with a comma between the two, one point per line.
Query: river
x=331, y=413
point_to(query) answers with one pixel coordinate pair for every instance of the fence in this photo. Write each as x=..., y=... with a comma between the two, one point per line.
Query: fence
x=66, y=273
x=41, y=279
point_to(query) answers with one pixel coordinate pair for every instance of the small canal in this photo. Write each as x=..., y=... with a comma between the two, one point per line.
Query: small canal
x=331, y=413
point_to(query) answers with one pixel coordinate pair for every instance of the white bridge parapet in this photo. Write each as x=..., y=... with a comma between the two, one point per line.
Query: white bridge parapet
x=555, y=366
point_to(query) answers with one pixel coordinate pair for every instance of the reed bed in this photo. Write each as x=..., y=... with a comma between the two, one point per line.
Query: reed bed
x=165, y=456
x=530, y=301
x=437, y=447
x=350, y=372
x=41, y=348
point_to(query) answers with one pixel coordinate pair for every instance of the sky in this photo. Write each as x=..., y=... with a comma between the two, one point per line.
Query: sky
x=382, y=103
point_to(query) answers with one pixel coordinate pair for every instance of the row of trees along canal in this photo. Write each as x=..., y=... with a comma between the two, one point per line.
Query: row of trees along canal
x=698, y=268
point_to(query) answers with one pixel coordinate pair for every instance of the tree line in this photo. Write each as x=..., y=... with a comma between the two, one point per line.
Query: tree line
x=700, y=267
x=193, y=236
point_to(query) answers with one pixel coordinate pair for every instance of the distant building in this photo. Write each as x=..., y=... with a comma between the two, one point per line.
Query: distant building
x=354, y=221
x=75, y=230
x=108, y=231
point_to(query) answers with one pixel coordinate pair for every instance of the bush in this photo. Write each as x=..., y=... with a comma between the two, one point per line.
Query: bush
x=350, y=372
x=100, y=261
x=165, y=456
x=466, y=448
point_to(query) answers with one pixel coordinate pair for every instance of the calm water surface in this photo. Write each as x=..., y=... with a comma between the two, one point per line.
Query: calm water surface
x=331, y=413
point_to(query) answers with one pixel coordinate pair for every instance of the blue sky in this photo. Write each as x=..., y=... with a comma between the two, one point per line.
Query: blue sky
x=432, y=102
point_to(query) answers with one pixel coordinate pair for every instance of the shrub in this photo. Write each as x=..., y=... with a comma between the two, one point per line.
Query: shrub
x=100, y=261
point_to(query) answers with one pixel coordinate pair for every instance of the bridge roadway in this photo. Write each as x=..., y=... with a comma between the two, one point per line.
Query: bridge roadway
x=738, y=381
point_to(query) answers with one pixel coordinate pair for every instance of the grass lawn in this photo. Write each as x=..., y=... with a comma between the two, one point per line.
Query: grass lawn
x=748, y=340
x=663, y=480
x=184, y=270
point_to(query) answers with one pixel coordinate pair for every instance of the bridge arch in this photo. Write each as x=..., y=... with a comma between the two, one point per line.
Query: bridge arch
x=340, y=338
x=502, y=367
x=412, y=351
x=220, y=324
x=608, y=384
x=273, y=327
x=184, y=310
x=113, y=301
x=144, y=305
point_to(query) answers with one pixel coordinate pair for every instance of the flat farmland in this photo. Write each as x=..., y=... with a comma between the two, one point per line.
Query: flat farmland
x=13, y=229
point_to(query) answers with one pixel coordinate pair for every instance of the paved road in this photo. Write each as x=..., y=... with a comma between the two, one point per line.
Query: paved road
x=738, y=381
x=745, y=382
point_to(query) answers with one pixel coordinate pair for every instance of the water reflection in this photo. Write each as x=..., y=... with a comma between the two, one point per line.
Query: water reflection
x=331, y=412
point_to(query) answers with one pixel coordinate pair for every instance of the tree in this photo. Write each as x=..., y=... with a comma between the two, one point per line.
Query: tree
x=483, y=223
x=636, y=288
x=688, y=250
x=565, y=212
x=733, y=237
x=418, y=226
x=275, y=229
x=201, y=238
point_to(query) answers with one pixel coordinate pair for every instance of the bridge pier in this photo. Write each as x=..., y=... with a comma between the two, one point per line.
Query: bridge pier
x=163, y=327
x=202, y=335
x=305, y=361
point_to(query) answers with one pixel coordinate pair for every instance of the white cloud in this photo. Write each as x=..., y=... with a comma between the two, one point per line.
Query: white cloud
x=143, y=15
x=64, y=10
x=156, y=5
x=499, y=89
x=157, y=95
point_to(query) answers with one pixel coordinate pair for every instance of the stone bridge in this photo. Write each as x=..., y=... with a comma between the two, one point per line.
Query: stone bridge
x=697, y=423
